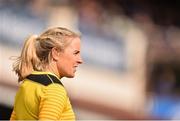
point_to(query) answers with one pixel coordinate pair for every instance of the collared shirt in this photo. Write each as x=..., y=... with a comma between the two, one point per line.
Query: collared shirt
x=39, y=99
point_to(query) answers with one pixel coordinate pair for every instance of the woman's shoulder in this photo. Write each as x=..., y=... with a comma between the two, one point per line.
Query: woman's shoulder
x=56, y=88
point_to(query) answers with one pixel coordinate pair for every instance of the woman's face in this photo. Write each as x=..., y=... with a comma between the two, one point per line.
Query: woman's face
x=69, y=59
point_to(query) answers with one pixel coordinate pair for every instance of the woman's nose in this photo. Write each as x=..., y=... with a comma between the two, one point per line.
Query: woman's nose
x=80, y=61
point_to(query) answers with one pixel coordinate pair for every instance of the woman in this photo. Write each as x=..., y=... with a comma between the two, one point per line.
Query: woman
x=44, y=60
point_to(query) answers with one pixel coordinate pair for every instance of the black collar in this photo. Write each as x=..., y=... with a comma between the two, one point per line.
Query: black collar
x=44, y=79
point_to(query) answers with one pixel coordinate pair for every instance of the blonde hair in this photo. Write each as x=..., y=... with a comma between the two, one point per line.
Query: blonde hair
x=36, y=52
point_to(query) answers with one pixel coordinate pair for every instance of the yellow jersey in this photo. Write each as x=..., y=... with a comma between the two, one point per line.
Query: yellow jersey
x=41, y=96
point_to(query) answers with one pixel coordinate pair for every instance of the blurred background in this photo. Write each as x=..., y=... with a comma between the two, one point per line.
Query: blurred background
x=130, y=48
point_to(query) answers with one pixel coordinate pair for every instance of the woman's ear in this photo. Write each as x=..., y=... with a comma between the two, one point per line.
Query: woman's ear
x=55, y=54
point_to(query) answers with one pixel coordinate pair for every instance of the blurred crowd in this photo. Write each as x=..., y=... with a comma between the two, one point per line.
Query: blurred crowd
x=120, y=35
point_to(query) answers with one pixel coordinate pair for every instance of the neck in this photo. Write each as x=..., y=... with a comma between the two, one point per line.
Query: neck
x=53, y=69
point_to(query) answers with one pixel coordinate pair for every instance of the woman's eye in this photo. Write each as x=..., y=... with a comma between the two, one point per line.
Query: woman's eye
x=76, y=52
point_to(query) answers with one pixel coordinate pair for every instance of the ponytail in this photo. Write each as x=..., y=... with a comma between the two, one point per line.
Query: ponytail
x=25, y=64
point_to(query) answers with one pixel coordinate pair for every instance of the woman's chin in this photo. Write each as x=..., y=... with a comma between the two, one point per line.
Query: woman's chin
x=70, y=75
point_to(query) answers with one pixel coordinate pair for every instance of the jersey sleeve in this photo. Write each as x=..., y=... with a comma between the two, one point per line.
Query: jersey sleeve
x=53, y=102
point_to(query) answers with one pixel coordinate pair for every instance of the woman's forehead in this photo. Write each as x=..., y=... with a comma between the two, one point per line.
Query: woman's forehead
x=75, y=44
